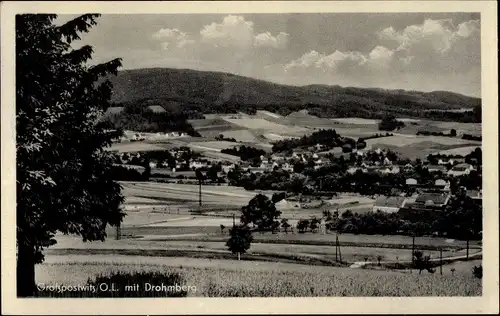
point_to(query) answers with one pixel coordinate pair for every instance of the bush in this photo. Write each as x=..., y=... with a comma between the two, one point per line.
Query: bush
x=389, y=123
x=477, y=271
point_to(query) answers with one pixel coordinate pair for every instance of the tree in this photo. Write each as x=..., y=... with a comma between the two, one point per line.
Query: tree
x=260, y=212
x=389, y=123
x=285, y=225
x=302, y=225
x=64, y=177
x=421, y=262
x=222, y=227
x=276, y=197
x=453, y=132
x=314, y=224
x=240, y=240
x=298, y=167
x=212, y=173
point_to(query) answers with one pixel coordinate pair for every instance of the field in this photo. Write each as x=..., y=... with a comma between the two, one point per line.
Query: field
x=211, y=146
x=413, y=146
x=218, y=195
x=228, y=278
x=220, y=156
x=135, y=147
x=356, y=121
x=241, y=136
x=262, y=124
x=463, y=151
x=161, y=233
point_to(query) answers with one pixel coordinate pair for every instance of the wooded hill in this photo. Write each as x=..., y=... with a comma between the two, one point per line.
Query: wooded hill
x=184, y=90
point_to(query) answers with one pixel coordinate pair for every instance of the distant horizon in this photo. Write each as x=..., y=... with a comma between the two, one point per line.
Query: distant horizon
x=303, y=85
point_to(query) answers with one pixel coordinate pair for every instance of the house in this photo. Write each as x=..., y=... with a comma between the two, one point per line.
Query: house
x=286, y=205
x=227, y=168
x=436, y=168
x=460, y=170
x=411, y=182
x=256, y=169
x=432, y=200
x=173, y=134
x=408, y=167
x=442, y=184
x=445, y=161
x=387, y=170
x=114, y=110
x=287, y=167
x=197, y=164
x=387, y=161
x=352, y=170
x=275, y=157
x=475, y=194
x=389, y=204
x=315, y=156
x=152, y=164
x=156, y=109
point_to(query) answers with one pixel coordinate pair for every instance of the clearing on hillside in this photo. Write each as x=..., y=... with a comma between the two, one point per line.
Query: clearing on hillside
x=261, y=124
x=212, y=145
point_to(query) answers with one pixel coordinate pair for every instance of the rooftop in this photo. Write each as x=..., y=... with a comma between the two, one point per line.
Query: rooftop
x=436, y=198
x=390, y=201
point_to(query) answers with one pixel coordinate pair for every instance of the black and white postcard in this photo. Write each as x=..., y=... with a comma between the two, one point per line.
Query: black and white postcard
x=249, y=157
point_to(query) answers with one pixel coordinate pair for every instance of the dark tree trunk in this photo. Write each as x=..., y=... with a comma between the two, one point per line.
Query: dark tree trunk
x=25, y=271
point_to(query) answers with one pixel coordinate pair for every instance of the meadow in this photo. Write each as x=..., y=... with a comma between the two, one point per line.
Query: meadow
x=226, y=278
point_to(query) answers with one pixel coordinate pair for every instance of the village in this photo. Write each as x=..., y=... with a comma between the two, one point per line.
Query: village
x=428, y=184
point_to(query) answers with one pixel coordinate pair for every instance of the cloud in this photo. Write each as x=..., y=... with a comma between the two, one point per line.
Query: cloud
x=268, y=40
x=341, y=62
x=433, y=47
x=172, y=37
x=232, y=31
x=433, y=40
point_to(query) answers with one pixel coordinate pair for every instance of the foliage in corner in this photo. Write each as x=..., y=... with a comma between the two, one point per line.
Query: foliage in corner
x=64, y=178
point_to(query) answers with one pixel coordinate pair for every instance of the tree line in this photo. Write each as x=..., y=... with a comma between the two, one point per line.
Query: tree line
x=327, y=138
x=246, y=153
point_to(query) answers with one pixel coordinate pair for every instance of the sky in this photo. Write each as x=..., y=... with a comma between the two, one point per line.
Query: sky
x=411, y=51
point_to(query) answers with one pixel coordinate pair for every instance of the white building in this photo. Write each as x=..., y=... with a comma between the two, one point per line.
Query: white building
x=460, y=170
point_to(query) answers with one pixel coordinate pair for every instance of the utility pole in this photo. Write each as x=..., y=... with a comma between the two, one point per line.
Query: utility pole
x=413, y=249
x=340, y=253
x=199, y=182
x=467, y=255
x=233, y=221
x=336, y=247
x=441, y=261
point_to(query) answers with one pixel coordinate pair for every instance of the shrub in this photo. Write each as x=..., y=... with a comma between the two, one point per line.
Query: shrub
x=477, y=271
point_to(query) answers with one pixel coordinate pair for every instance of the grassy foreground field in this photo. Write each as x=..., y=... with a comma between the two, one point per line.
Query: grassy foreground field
x=216, y=278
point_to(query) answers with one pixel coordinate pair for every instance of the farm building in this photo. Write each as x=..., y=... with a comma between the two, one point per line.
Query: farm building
x=408, y=167
x=442, y=184
x=411, y=182
x=156, y=109
x=460, y=170
x=475, y=194
x=432, y=200
x=388, y=170
x=286, y=205
x=389, y=204
x=436, y=168
x=114, y=110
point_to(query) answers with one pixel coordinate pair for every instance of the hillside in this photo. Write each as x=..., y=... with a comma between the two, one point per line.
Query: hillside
x=215, y=92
